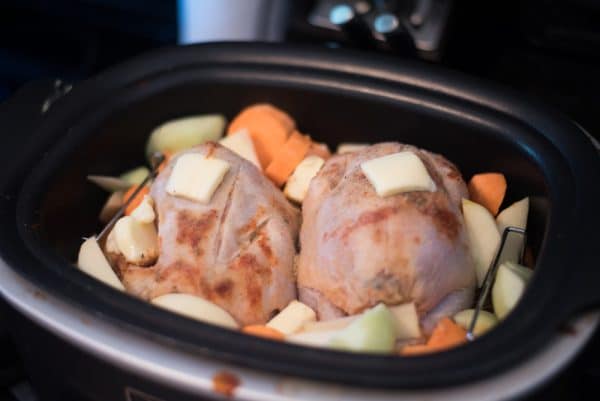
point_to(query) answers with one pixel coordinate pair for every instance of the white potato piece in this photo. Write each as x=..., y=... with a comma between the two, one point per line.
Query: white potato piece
x=136, y=241
x=196, y=177
x=196, y=308
x=292, y=318
x=509, y=286
x=485, y=320
x=183, y=133
x=92, y=261
x=406, y=321
x=241, y=143
x=329, y=325
x=484, y=238
x=350, y=147
x=144, y=212
x=298, y=183
x=110, y=184
x=373, y=331
x=514, y=216
x=135, y=176
x=313, y=338
x=397, y=173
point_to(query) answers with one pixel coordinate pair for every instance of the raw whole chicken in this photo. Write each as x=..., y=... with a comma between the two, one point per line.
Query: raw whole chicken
x=236, y=251
x=359, y=249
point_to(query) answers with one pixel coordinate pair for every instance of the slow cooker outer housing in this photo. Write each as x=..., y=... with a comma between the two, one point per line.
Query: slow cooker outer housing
x=335, y=96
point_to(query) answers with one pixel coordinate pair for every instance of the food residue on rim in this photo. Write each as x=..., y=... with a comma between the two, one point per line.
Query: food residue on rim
x=225, y=383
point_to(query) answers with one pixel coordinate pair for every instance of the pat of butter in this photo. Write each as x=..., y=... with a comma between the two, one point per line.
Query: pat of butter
x=196, y=177
x=144, y=213
x=138, y=242
x=241, y=143
x=396, y=173
x=298, y=183
x=292, y=318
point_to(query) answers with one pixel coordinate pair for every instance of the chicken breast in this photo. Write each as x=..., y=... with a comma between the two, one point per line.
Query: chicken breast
x=359, y=249
x=237, y=251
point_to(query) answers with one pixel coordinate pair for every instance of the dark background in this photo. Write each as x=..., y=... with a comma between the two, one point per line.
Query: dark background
x=547, y=49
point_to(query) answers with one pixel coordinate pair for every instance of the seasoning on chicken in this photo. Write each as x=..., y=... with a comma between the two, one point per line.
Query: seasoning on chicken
x=237, y=250
x=359, y=249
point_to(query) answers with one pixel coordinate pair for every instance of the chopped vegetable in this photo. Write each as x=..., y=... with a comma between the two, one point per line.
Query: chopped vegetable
x=91, y=260
x=184, y=133
x=135, y=202
x=511, y=279
x=488, y=190
x=298, y=183
x=196, y=177
x=110, y=184
x=196, y=308
x=446, y=334
x=373, y=331
x=288, y=157
x=483, y=235
x=241, y=143
x=264, y=331
x=292, y=318
x=514, y=216
x=485, y=320
x=269, y=128
x=406, y=321
x=135, y=176
x=396, y=173
x=144, y=213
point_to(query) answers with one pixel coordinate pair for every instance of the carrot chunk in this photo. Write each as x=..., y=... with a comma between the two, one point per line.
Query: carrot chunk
x=263, y=331
x=289, y=156
x=137, y=200
x=446, y=334
x=488, y=189
x=268, y=126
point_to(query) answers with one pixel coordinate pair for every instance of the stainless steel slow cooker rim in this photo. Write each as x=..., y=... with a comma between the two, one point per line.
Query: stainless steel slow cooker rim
x=173, y=367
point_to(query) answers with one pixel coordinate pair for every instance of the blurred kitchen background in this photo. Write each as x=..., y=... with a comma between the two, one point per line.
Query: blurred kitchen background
x=547, y=49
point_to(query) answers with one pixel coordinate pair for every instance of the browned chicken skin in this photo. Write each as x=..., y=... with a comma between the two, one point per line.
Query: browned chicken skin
x=359, y=249
x=237, y=251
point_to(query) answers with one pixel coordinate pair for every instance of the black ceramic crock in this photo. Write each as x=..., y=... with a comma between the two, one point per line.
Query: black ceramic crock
x=101, y=125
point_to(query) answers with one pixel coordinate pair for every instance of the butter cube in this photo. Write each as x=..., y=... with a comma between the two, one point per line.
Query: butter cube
x=144, y=213
x=196, y=177
x=136, y=241
x=241, y=143
x=292, y=318
x=397, y=173
x=297, y=184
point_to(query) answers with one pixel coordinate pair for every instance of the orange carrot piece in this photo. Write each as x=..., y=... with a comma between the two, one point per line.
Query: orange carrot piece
x=417, y=349
x=137, y=200
x=263, y=331
x=290, y=155
x=488, y=189
x=269, y=128
x=447, y=334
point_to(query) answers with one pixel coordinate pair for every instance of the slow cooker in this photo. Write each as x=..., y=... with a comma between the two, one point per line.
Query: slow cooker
x=83, y=340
